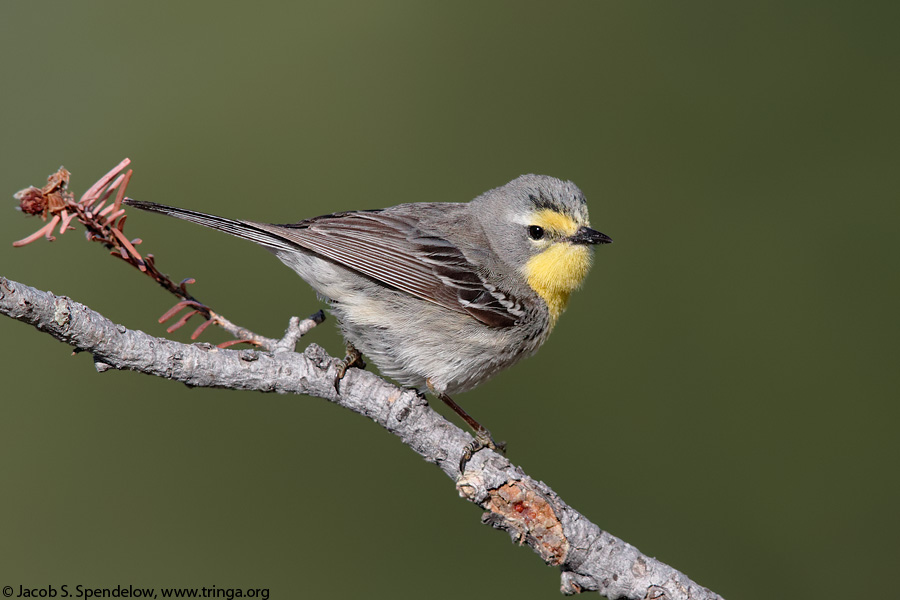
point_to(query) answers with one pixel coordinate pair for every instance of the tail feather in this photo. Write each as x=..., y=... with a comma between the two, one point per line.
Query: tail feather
x=247, y=230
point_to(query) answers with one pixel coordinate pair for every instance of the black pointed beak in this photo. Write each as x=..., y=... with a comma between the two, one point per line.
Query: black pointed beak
x=586, y=235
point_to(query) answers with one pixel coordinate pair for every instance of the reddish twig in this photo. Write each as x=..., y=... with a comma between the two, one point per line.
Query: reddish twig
x=105, y=223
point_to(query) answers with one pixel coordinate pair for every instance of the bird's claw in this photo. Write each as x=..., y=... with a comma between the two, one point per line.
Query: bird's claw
x=482, y=440
x=354, y=358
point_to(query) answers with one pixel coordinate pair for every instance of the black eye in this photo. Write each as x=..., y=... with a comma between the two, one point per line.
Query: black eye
x=535, y=232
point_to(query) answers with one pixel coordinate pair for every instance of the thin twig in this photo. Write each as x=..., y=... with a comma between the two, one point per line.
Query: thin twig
x=105, y=223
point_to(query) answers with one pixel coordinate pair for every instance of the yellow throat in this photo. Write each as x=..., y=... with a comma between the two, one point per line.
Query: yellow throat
x=560, y=269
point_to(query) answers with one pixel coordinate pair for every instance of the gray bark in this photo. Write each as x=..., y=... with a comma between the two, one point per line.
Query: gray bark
x=589, y=558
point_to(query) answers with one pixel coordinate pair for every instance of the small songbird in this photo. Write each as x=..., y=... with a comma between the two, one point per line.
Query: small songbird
x=440, y=296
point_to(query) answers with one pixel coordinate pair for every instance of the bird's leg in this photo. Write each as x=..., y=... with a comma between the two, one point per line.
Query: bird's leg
x=482, y=439
x=354, y=358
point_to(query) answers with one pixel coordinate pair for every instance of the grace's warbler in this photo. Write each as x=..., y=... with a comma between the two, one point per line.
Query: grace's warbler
x=439, y=295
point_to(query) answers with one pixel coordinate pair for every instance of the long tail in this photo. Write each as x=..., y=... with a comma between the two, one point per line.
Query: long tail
x=247, y=230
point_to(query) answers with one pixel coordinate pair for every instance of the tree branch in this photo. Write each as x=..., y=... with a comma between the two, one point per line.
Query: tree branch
x=590, y=559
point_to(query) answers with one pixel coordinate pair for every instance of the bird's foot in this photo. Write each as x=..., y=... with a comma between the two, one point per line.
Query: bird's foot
x=354, y=358
x=482, y=440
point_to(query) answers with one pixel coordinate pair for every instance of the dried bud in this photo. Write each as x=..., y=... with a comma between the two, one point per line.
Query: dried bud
x=59, y=181
x=32, y=201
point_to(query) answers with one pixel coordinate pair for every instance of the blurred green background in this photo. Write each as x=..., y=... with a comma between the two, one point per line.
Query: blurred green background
x=721, y=394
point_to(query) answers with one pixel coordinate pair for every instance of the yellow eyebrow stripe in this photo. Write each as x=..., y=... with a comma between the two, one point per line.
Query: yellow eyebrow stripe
x=550, y=219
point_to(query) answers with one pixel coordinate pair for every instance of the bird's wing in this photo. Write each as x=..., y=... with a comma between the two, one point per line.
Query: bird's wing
x=390, y=248
x=385, y=245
